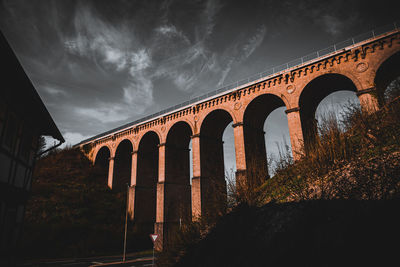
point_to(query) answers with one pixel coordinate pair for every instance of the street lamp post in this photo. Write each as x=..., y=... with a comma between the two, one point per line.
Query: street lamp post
x=126, y=220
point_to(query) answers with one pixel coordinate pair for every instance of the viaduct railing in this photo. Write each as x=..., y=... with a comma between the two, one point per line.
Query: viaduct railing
x=307, y=59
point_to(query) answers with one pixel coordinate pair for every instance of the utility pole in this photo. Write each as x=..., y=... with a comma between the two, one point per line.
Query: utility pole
x=126, y=220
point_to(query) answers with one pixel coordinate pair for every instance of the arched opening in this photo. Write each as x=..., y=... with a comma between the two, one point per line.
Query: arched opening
x=335, y=106
x=101, y=164
x=255, y=117
x=277, y=140
x=387, y=79
x=122, y=166
x=313, y=94
x=213, y=185
x=177, y=189
x=228, y=139
x=146, y=183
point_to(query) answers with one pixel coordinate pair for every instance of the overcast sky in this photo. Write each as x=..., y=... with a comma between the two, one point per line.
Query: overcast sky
x=100, y=64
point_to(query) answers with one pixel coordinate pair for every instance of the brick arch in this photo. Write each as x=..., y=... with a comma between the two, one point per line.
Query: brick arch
x=122, y=164
x=142, y=134
x=146, y=182
x=283, y=97
x=346, y=74
x=120, y=141
x=387, y=71
x=313, y=93
x=97, y=151
x=384, y=58
x=177, y=191
x=168, y=129
x=254, y=117
x=263, y=110
x=226, y=116
x=199, y=123
x=212, y=167
x=102, y=164
x=334, y=71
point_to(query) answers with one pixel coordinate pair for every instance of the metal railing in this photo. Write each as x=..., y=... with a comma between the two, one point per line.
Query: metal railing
x=265, y=74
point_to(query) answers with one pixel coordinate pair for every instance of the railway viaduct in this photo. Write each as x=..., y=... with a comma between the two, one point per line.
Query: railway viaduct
x=153, y=156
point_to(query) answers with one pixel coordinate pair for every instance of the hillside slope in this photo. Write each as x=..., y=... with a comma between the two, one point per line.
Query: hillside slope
x=72, y=212
x=329, y=232
x=337, y=206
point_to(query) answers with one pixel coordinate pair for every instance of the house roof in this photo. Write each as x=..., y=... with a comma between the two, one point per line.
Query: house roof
x=18, y=91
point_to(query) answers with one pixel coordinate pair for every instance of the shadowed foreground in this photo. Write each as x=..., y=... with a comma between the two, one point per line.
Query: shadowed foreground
x=309, y=233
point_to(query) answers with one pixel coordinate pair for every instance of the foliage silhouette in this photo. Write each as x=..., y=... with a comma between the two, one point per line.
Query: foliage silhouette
x=72, y=212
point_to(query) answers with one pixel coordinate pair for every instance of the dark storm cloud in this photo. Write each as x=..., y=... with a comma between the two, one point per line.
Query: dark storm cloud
x=99, y=64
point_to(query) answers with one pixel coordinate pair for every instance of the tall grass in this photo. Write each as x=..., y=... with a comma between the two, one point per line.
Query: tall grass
x=358, y=135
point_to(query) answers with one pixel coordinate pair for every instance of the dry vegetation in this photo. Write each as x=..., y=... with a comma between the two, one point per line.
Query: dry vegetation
x=340, y=197
x=358, y=161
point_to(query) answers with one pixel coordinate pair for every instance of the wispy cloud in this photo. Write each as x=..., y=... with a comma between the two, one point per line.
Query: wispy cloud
x=226, y=70
x=139, y=61
x=170, y=31
x=119, y=51
x=209, y=15
x=115, y=57
x=56, y=92
x=96, y=39
x=330, y=16
x=196, y=61
x=103, y=113
x=181, y=59
x=332, y=24
x=239, y=52
x=254, y=41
